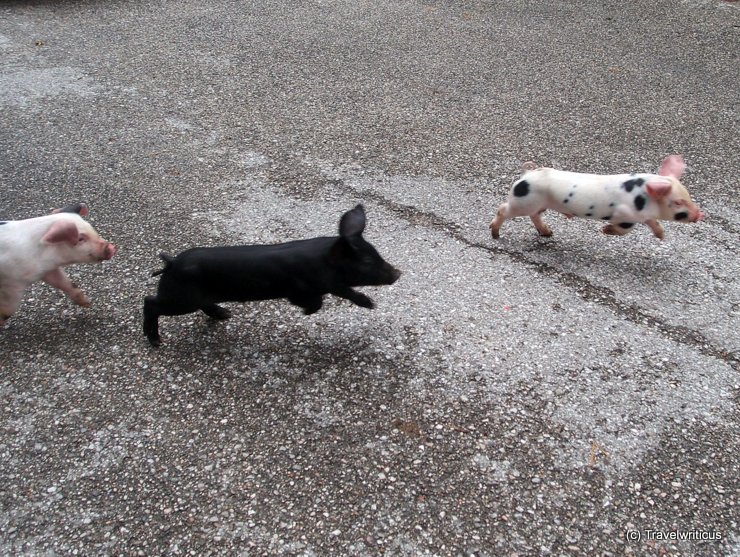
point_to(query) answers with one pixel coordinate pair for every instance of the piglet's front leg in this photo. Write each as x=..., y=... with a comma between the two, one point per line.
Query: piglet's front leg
x=355, y=297
x=58, y=279
x=657, y=229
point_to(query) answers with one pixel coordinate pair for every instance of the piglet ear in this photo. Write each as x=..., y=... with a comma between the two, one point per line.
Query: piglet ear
x=672, y=166
x=658, y=190
x=60, y=232
x=352, y=222
x=79, y=208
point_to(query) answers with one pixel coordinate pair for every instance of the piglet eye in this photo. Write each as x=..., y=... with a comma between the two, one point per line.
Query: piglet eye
x=82, y=238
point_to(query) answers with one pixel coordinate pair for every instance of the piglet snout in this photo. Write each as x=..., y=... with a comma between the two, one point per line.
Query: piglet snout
x=107, y=251
x=695, y=214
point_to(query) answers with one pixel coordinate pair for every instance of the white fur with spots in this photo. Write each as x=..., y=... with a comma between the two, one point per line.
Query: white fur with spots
x=619, y=199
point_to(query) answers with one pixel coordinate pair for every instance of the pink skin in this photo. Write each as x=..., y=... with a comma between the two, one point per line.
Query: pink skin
x=37, y=249
x=674, y=167
x=86, y=245
x=599, y=196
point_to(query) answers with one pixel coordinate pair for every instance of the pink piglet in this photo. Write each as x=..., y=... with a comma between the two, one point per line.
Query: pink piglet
x=37, y=249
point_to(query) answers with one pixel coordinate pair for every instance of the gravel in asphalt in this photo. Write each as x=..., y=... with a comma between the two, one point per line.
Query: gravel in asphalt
x=576, y=395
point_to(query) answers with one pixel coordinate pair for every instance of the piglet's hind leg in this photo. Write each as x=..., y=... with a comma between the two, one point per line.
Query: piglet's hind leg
x=152, y=311
x=155, y=307
x=539, y=224
x=10, y=298
x=499, y=219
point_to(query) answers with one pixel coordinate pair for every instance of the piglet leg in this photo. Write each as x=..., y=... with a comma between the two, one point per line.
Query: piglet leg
x=214, y=311
x=10, y=298
x=355, y=297
x=310, y=304
x=614, y=230
x=657, y=229
x=58, y=279
x=496, y=223
x=539, y=224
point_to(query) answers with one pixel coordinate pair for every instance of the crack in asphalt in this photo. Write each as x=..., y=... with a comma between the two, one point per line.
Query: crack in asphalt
x=581, y=286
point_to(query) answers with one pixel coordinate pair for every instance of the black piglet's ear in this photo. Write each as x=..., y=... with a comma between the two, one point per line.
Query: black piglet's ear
x=342, y=249
x=352, y=222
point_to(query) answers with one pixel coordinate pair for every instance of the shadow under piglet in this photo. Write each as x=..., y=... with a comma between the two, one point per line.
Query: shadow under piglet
x=302, y=271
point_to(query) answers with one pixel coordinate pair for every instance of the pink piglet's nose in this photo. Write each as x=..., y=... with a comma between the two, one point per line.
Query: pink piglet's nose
x=110, y=251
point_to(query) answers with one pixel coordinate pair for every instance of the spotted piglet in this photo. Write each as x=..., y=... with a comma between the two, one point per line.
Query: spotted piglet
x=620, y=199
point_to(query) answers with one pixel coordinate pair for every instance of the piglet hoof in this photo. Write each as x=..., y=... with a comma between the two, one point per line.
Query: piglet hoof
x=659, y=234
x=222, y=314
x=81, y=299
x=156, y=342
x=364, y=302
x=542, y=229
x=217, y=312
x=494, y=232
x=610, y=230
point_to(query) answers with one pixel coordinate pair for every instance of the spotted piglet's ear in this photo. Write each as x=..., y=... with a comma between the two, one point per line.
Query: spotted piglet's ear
x=658, y=190
x=61, y=232
x=672, y=166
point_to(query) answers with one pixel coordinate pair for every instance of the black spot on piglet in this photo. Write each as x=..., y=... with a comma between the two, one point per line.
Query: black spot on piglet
x=626, y=225
x=629, y=185
x=640, y=202
x=521, y=189
x=681, y=216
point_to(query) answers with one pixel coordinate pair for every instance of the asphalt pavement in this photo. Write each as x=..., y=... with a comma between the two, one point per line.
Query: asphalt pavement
x=574, y=395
